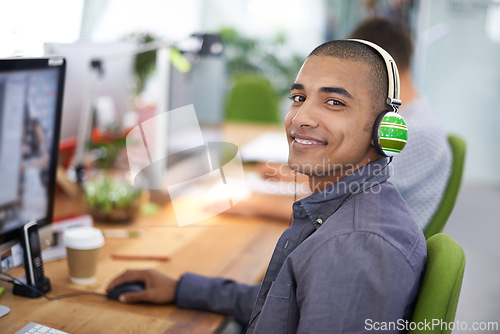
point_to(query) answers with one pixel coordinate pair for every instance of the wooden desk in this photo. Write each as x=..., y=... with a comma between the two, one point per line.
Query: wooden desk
x=238, y=248
x=226, y=246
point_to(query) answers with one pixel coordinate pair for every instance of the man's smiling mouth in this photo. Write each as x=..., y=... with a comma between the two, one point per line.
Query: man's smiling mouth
x=305, y=142
x=308, y=142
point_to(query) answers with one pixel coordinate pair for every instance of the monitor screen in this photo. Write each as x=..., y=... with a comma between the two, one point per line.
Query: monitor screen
x=31, y=94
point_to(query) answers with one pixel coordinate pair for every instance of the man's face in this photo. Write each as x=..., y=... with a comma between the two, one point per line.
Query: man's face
x=329, y=124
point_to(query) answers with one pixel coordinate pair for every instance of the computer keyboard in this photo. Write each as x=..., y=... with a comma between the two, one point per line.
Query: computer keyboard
x=34, y=328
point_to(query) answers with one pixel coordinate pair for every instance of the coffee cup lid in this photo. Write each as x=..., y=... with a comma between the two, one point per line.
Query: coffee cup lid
x=83, y=237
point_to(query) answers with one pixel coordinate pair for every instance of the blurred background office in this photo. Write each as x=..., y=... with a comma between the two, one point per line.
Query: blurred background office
x=456, y=66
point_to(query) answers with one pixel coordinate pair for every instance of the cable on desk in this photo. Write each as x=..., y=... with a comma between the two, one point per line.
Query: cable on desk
x=74, y=294
x=6, y=280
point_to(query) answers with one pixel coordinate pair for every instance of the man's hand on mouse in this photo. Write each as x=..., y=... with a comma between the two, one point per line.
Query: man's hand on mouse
x=160, y=289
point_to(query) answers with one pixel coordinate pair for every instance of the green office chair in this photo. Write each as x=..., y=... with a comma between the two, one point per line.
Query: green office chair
x=440, y=290
x=443, y=212
x=252, y=99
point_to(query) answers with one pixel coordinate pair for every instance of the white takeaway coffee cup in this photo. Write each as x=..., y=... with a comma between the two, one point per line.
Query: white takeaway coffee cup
x=82, y=247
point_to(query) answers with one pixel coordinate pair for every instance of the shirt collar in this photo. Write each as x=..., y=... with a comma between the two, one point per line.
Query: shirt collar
x=361, y=179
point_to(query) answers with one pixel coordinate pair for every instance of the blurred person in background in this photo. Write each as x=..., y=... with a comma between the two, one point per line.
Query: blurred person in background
x=422, y=170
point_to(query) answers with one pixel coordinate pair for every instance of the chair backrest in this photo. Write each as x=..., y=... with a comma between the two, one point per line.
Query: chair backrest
x=450, y=194
x=252, y=98
x=441, y=285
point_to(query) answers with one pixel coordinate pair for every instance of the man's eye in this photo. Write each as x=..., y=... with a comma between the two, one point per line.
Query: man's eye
x=335, y=103
x=297, y=98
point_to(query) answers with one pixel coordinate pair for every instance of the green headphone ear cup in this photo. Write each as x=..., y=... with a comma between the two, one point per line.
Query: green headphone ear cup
x=390, y=133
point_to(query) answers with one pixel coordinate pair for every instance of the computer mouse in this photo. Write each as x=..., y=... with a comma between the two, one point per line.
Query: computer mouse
x=126, y=287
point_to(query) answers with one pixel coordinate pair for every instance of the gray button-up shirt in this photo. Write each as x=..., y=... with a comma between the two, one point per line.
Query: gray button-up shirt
x=353, y=256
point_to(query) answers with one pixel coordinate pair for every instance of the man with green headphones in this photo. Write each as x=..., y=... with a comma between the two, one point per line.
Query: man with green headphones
x=353, y=258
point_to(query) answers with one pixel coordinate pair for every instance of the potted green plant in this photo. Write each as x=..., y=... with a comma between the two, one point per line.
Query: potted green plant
x=108, y=194
x=112, y=199
x=268, y=58
x=145, y=62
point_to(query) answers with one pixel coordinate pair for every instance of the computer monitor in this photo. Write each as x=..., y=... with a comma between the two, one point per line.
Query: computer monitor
x=31, y=96
x=116, y=82
x=204, y=86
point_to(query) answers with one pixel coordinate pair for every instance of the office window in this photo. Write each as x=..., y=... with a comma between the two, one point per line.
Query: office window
x=457, y=68
x=111, y=20
x=26, y=24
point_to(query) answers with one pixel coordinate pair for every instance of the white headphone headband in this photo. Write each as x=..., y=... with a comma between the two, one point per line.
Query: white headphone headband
x=392, y=72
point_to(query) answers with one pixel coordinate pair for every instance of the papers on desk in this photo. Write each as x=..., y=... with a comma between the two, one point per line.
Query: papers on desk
x=58, y=250
x=273, y=147
x=270, y=146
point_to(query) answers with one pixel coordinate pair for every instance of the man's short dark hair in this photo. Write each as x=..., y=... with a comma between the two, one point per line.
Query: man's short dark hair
x=359, y=52
x=392, y=35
